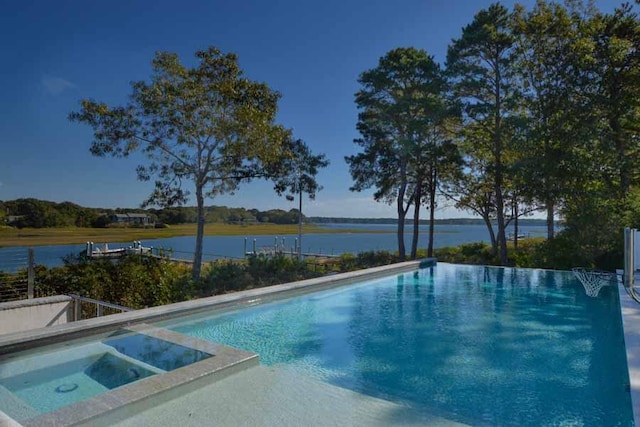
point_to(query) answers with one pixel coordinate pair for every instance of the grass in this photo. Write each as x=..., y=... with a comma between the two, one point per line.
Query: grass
x=74, y=235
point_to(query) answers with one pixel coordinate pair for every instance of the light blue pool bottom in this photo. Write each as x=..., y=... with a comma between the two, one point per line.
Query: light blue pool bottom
x=56, y=386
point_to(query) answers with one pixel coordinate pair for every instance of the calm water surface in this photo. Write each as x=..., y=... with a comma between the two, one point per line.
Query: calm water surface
x=12, y=258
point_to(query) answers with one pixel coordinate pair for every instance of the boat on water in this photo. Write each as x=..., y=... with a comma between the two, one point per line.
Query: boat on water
x=521, y=236
x=95, y=251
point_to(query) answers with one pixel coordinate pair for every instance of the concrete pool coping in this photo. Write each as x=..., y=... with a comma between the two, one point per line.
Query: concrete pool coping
x=630, y=312
x=25, y=340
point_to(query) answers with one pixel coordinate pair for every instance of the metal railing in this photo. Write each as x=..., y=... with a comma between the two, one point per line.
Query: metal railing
x=86, y=308
x=17, y=275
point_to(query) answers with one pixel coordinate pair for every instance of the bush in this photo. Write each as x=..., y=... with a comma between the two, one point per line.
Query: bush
x=222, y=277
x=137, y=281
x=133, y=281
x=350, y=262
x=256, y=272
x=470, y=253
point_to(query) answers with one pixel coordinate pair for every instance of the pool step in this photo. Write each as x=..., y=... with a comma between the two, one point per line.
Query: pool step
x=20, y=410
x=277, y=396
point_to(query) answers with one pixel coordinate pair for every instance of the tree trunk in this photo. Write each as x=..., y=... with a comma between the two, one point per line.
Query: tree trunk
x=550, y=220
x=432, y=212
x=515, y=223
x=197, y=258
x=300, y=225
x=401, y=216
x=492, y=235
x=498, y=178
x=502, y=238
x=416, y=221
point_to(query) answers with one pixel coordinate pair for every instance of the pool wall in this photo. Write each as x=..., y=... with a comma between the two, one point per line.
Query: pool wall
x=25, y=340
x=35, y=313
x=630, y=311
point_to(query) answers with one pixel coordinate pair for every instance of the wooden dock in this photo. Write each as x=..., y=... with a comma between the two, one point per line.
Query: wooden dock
x=266, y=252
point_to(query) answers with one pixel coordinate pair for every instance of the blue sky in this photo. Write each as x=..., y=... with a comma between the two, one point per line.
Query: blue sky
x=55, y=53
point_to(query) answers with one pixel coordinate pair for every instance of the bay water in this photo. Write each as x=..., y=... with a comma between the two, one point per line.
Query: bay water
x=373, y=237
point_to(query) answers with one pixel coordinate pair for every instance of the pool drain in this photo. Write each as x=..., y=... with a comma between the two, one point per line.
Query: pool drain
x=134, y=373
x=66, y=388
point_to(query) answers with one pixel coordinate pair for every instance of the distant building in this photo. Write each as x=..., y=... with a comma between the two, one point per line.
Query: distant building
x=142, y=220
x=14, y=218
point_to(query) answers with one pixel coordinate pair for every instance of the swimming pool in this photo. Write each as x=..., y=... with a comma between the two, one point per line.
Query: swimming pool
x=477, y=345
x=474, y=345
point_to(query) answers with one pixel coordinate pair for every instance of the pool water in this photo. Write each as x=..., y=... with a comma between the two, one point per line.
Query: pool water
x=156, y=352
x=478, y=345
x=56, y=386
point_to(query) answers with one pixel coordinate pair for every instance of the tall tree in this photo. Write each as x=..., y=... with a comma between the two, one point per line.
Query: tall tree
x=400, y=102
x=295, y=174
x=471, y=190
x=617, y=56
x=603, y=200
x=444, y=166
x=480, y=62
x=551, y=51
x=207, y=125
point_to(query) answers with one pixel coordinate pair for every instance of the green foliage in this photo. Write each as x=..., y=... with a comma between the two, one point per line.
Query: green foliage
x=402, y=123
x=40, y=213
x=470, y=253
x=485, y=83
x=222, y=277
x=229, y=276
x=101, y=221
x=368, y=259
x=551, y=53
x=133, y=281
x=296, y=171
x=561, y=253
x=137, y=281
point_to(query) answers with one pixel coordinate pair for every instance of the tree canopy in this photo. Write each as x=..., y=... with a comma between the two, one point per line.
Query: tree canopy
x=207, y=125
x=550, y=121
x=403, y=109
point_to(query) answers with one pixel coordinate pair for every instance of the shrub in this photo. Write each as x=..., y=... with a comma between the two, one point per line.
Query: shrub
x=133, y=281
x=349, y=262
x=256, y=272
x=222, y=277
x=470, y=253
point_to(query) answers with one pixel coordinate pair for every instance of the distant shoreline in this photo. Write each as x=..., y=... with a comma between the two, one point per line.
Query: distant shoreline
x=449, y=221
x=78, y=235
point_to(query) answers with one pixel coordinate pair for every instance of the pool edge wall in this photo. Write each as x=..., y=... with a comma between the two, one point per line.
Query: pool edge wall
x=630, y=313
